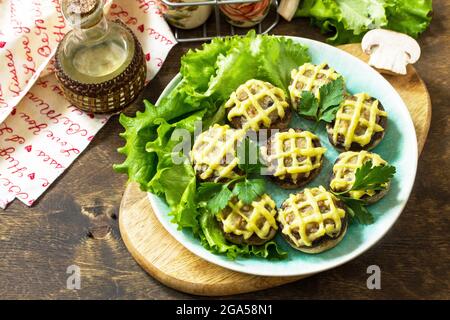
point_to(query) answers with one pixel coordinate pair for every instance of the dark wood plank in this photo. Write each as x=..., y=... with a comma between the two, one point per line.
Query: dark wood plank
x=75, y=222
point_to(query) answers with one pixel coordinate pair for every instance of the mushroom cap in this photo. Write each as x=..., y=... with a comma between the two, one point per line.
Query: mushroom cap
x=387, y=38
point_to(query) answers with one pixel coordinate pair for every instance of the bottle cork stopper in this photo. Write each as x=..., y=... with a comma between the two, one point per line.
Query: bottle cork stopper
x=81, y=7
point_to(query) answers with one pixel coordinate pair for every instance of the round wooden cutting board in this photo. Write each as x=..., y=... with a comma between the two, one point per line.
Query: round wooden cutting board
x=169, y=262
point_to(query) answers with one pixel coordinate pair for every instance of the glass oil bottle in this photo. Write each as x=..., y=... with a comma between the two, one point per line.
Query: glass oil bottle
x=100, y=63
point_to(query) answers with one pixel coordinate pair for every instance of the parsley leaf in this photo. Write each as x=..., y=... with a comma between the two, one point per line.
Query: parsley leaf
x=325, y=109
x=207, y=189
x=217, y=195
x=248, y=190
x=249, y=157
x=358, y=210
x=220, y=199
x=368, y=177
x=309, y=105
x=329, y=114
x=332, y=93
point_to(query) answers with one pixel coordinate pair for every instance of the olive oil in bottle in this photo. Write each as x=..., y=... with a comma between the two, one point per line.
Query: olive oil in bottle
x=97, y=52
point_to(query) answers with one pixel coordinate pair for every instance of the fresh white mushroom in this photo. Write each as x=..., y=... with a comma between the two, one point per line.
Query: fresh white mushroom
x=390, y=50
x=287, y=8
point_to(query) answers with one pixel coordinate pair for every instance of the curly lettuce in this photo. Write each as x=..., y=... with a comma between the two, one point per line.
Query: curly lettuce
x=348, y=20
x=213, y=239
x=210, y=75
x=410, y=17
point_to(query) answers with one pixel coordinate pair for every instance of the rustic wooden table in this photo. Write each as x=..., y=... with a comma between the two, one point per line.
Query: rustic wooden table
x=75, y=222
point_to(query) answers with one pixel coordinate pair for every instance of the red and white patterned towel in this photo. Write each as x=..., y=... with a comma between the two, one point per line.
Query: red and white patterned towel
x=41, y=134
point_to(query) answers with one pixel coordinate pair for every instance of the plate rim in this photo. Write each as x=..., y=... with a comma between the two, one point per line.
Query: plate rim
x=230, y=264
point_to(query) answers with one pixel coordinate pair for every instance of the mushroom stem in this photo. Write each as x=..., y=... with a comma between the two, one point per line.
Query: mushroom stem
x=389, y=59
x=287, y=8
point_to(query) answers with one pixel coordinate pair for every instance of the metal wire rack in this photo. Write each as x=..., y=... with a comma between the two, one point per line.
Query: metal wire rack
x=215, y=22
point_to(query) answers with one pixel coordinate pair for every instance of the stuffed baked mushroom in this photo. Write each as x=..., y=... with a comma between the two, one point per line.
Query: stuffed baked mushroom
x=344, y=170
x=309, y=77
x=360, y=124
x=294, y=157
x=252, y=224
x=214, y=154
x=257, y=104
x=313, y=220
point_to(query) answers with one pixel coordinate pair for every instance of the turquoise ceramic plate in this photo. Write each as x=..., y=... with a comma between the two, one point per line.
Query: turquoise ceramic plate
x=399, y=147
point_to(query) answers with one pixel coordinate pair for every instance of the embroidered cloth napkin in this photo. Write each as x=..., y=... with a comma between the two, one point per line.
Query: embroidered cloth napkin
x=41, y=134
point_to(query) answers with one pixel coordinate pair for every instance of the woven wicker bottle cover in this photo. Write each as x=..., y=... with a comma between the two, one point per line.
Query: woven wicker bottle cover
x=99, y=64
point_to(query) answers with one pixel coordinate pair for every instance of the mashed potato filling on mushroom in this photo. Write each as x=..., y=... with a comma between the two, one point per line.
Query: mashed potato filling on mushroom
x=357, y=120
x=310, y=77
x=258, y=104
x=309, y=215
x=345, y=168
x=257, y=218
x=214, y=153
x=293, y=153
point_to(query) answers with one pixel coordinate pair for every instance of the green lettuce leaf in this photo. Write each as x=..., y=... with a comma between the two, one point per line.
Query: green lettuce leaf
x=178, y=184
x=348, y=20
x=141, y=165
x=341, y=35
x=199, y=65
x=229, y=72
x=322, y=10
x=257, y=57
x=362, y=15
x=277, y=58
x=175, y=180
x=411, y=17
